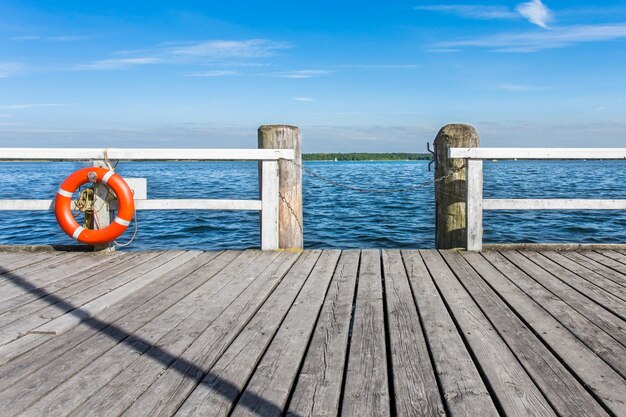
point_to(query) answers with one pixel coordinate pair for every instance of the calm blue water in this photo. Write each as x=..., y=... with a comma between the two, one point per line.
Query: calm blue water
x=333, y=217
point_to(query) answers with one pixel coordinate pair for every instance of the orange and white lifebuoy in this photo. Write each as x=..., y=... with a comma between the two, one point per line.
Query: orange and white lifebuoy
x=63, y=206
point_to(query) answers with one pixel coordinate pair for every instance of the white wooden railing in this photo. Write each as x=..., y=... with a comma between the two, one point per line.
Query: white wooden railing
x=476, y=204
x=267, y=204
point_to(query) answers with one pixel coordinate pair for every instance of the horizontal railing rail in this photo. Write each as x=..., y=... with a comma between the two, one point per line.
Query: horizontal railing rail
x=267, y=204
x=139, y=154
x=538, y=153
x=476, y=204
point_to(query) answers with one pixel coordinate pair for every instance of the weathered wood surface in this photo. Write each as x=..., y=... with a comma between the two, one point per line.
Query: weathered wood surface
x=451, y=186
x=366, y=386
x=317, y=333
x=290, y=182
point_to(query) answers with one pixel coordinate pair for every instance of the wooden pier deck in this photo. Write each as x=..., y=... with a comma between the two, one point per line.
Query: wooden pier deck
x=317, y=333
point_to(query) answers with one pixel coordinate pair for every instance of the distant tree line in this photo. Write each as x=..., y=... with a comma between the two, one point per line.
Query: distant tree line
x=361, y=156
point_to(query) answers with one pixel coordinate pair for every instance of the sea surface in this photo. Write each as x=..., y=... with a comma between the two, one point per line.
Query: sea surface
x=334, y=217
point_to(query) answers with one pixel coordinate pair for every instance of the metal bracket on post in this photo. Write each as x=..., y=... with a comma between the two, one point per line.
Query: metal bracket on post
x=433, y=156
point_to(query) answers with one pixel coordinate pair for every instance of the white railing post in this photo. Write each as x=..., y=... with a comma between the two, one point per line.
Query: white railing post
x=269, y=186
x=474, y=204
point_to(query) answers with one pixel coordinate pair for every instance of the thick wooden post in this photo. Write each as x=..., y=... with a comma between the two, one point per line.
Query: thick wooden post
x=290, y=183
x=102, y=198
x=451, y=192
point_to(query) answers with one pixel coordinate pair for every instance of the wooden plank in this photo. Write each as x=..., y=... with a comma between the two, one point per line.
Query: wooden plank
x=603, y=258
x=588, y=275
x=366, y=386
x=31, y=267
x=168, y=330
x=414, y=382
x=615, y=255
x=222, y=316
x=43, y=273
x=474, y=205
x=462, y=387
x=516, y=392
x=172, y=281
x=59, y=289
x=553, y=204
x=128, y=154
x=221, y=386
x=597, y=340
x=24, y=260
x=101, y=358
x=586, y=261
x=109, y=284
x=267, y=391
x=539, y=153
x=268, y=189
x=32, y=340
x=592, y=291
x=32, y=262
x=559, y=290
x=560, y=387
x=318, y=388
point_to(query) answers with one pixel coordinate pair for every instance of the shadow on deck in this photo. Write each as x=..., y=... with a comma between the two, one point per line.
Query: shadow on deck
x=319, y=333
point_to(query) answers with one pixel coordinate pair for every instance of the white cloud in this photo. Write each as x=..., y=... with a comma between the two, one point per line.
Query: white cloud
x=10, y=69
x=222, y=52
x=473, y=12
x=535, y=12
x=307, y=99
x=557, y=37
x=32, y=105
x=252, y=48
x=517, y=88
x=378, y=66
x=301, y=74
x=121, y=63
x=59, y=38
x=217, y=73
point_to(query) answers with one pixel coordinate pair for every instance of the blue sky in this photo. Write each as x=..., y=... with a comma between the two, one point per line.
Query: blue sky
x=355, y=76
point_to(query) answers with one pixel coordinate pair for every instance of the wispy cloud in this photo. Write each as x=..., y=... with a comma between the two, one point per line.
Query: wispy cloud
x=24, y=106
x=557, y=37
x=119, y=63
x=217, y=73
x=59, y=38
x=536, y=12
x=301, y=74
x=306, y=99
x=473, y=12
x=252, y=48
x=10, y=69
x=378, y=66
x=223, y=52
x=517, y=88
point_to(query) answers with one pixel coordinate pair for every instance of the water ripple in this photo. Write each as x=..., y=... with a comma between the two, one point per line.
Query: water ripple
x=333, y=217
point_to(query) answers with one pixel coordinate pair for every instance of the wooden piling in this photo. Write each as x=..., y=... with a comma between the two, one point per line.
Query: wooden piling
x=451, y=192
x=102, y=213
x=290, y=221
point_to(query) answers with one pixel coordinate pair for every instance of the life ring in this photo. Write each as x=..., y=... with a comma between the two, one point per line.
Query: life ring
x=63, y=205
